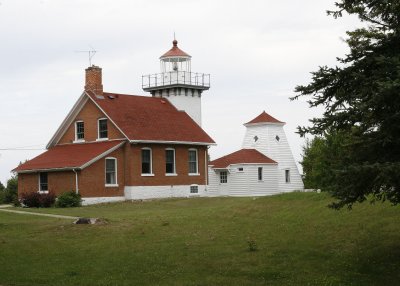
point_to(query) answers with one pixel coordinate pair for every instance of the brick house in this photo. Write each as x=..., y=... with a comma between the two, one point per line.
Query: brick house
x=114, y=147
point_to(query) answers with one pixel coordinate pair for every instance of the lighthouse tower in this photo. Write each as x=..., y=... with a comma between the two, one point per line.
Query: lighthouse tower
x=177, y=83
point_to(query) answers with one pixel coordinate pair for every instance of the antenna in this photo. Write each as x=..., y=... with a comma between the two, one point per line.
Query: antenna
x=91, y=54
x=174, y=36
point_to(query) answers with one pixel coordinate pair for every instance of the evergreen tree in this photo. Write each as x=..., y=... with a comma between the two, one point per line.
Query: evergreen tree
x=361, y=98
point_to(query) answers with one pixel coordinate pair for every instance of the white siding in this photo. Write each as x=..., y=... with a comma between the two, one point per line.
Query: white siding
x=279, y=151
x=245, y=183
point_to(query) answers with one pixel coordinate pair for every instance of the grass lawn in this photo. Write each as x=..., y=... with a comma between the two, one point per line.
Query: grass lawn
x=204, y=241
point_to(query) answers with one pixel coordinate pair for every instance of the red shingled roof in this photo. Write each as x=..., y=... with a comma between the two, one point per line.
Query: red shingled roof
x=68, y=156
x=264, y=117
x=145, y=118
x=175, y=51
x=243, y=156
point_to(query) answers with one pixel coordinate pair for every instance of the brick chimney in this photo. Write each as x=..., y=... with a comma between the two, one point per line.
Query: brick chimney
x=94, y=80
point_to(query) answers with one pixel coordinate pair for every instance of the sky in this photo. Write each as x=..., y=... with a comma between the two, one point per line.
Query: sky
x=256, y=51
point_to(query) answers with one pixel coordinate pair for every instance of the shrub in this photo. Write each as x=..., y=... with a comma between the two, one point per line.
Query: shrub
x=47, y=200
x=37, y=200
x=31, y=200
x=10, y=192
x=68, y=199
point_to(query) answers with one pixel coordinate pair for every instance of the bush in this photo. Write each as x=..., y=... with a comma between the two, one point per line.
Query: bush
x=31, y=200
x=37, y=200
x=68, y=199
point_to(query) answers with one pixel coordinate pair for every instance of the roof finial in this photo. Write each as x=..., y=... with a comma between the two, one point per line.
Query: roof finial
x=175, y=42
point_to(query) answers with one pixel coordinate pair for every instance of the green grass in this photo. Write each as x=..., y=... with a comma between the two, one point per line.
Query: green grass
x=204, y=241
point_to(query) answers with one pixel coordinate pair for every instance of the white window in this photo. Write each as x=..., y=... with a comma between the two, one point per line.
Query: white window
x=260, y=173
x=194, y=189
x=193, y=164
x=102, y=128
x=79, y=131
x=170, y=161
x=223, y=177
x=43, y=182
x=287, y=176
x=146, y=161
x=111, y=172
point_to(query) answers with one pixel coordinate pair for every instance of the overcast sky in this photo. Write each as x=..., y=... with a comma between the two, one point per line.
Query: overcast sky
x=255, y=51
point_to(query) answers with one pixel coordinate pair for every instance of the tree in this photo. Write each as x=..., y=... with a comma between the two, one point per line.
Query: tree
x=11, y=191
x=361, y=100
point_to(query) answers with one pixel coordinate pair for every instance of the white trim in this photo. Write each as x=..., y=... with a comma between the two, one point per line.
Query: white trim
x=68, y=120
x=98, y=129
x=102, y=155
x=76, y=181
x=265, y=123
x=116, y=172
x=172, y=142
x=174, y=173
x=46, y=170
x=197, y=162
x=151, y=162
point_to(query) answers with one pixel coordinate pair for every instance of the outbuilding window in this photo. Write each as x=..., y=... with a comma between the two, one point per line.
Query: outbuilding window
x=111, y=172
x=223, y=177
x=260, y=173
x=193, y=161
x=43, y=182
x=146, y=161
x=287, y=176
x=102, y=128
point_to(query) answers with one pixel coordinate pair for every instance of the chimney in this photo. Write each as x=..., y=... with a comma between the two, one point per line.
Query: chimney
x=94, y=80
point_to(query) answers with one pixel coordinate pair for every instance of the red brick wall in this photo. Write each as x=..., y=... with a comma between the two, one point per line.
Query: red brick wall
x=91, y=180
x=89, y=114
x=58, y=182
x=134, y=168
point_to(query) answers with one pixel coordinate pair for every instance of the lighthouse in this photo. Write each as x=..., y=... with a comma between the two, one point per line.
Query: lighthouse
x=176, y=82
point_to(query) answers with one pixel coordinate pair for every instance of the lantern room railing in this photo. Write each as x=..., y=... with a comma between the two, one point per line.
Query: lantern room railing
x=199, y=80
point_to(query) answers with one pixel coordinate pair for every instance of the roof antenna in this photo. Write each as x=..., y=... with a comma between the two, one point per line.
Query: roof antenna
x=90, y=52
x=174, y=36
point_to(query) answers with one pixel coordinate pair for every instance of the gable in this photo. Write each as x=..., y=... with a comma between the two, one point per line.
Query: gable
x=89, y=114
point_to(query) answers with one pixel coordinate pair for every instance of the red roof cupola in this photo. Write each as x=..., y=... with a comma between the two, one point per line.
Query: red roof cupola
x=175, y=52
x=264, y=118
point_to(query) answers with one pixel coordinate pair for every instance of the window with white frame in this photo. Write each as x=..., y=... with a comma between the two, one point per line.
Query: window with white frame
x=260, y=173
x=193, y=165
x=146, y=161
x=170, y=161
x=223, y=177
x=43, y=182
x=194, y=189
x=287, y=176
x=102, y=128
x=79, y=131
x=111, y=171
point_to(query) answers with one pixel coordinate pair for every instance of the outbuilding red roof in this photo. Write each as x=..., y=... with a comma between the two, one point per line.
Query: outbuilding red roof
x=68, y=156
x=175, y=51
x=243, y=156
x=145, y=118
x=263, y=118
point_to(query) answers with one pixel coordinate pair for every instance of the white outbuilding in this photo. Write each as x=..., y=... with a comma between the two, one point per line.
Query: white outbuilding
x=264, y=166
